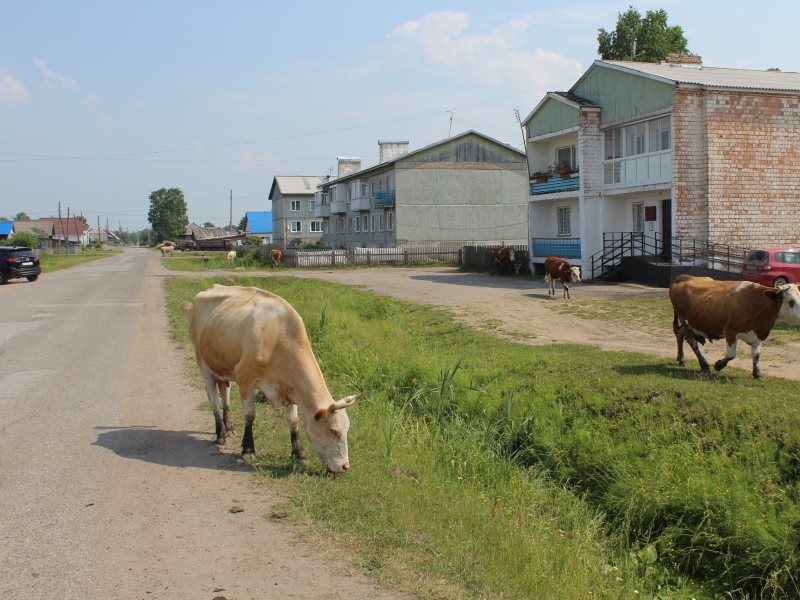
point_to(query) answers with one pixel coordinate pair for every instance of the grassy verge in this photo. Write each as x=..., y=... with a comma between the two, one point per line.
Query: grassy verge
x=485, y=468
x=56, y=262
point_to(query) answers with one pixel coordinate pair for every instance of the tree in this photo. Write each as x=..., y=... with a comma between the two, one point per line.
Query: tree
x=209, y=224
x=647, y=39
x=21, y=216
x=167, y=213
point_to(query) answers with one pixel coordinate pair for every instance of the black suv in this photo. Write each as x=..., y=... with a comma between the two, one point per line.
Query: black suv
x=18, y=261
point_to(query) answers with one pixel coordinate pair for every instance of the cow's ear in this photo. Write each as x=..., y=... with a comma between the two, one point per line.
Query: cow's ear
x=321, y=413
x=345, y=402
x=776, y=295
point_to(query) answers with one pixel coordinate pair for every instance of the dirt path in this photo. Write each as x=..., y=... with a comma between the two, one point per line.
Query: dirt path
x=520, y=309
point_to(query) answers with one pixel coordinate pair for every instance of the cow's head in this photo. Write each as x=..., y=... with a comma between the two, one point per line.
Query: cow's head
x=575, y=274
x=327, y=432
x=789, y=297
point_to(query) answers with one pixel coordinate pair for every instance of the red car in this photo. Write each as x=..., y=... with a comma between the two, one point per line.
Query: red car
x=772, y=266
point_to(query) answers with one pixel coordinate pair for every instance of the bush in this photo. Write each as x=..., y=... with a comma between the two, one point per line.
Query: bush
x=24, y=238
x=252, y=240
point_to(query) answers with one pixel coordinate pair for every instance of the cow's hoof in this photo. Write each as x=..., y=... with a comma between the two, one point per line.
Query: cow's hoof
x=220, y=441
x=720, y=364
x=248, y=452
x=681, y=363
x=758, y=376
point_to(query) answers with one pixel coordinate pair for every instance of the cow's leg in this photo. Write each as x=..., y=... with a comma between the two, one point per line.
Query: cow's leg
x=292, y=422
x=249, y=408
x=679, y=336
x=225, y=393
x=566, y=291
x=730, y=353
x=692, y=341
x=755, y=352
x=213, y=399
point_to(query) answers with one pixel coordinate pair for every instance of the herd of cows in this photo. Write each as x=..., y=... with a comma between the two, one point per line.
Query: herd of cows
x=256, y=339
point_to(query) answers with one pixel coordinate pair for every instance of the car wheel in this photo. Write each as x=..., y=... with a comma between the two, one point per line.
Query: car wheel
x=33, y=277
x=779, y=281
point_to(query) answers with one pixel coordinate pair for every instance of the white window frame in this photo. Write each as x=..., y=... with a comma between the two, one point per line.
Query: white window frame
x=296, y=226
x=571, y=162
x=372, y=219
x=296, y=203
x=389, y=221
x=357, y=224
x=316, y=226
x=364, y=223
x=617, y=142
x=380, y=221
x=564, y=221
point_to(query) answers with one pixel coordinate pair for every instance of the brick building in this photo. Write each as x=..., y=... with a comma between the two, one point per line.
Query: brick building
x=674, y=151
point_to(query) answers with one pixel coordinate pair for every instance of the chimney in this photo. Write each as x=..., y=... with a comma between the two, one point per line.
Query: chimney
x=392, y=149
x=348, y=165
x=680, y=60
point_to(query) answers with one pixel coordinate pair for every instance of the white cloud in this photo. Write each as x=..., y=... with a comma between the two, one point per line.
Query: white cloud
x=92, y=100
x=498, y=57
x=12, y=91
x=51, y=76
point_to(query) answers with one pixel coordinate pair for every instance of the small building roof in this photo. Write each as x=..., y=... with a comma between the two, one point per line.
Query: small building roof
x=258, y=222
x=209, y=233
x=105, y=236
x=772, y=80
x=40, y=224
x=6, y=227
x=289, y=185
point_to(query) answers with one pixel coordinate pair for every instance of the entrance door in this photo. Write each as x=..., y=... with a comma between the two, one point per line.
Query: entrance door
x=666, y=228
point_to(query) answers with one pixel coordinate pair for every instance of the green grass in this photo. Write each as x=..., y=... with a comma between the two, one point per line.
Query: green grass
x=56, y=262
x=513, y=471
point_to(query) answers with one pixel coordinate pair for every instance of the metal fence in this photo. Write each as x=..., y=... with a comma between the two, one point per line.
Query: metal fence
x=407, y=255
x=479, y=258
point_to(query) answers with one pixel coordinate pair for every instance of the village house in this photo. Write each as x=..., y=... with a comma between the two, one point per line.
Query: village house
x=465, y=189
x=675, y=152
x=258, y=224
x=293, y=220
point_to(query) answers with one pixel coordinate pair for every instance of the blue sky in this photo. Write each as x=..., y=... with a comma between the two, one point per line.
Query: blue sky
x=103, y=102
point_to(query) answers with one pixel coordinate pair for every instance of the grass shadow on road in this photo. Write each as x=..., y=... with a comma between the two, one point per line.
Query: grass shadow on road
x=179, y=449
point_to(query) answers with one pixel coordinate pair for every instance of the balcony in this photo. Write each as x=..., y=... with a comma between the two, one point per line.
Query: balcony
x=384, y=199
x=555, y=185
x=362, y=203
x=338, y=207
x=322, y=211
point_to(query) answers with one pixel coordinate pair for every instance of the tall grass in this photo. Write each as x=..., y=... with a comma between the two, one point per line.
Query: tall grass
x=518, y=471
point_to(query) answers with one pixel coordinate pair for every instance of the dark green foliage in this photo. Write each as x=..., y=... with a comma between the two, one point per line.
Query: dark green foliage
x=23, y=238
x=644, y=39
x=168, y=214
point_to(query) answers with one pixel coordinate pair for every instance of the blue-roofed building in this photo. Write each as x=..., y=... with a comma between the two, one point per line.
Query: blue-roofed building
x=6, y=229
x=259, y=223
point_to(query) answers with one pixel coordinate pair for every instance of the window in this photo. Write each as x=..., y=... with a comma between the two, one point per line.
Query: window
x=358, y=224
x=311, y=205
x=634, y=139
x=563, y=216
x=638, y=217
x=372, y=225
x=380, y=221
x=614, y=143
x=296, y=205
x=566, y=156
x=340, y=225
x=659, y=134
x=389, y=221
x=296, y=226
x=624, y=147
x=364, y=222
x=316, y=226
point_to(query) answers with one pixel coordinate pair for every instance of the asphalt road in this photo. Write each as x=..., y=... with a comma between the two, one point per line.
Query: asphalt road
x=110, y=485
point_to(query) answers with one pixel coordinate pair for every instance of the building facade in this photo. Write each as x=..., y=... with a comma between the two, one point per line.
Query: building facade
x=675, y=151
x=468, y=188
x=293, y=220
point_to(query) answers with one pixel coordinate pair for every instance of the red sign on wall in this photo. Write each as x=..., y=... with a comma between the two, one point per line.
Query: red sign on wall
x=649, y=213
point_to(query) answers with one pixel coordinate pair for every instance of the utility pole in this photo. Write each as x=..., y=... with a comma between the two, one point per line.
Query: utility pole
x=230, y=222
x=98, y=231
x=61, y=227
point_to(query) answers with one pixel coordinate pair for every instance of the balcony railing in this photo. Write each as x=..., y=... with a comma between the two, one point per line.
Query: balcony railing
x=384, y=198
x=322, y=211
x=339, y=207
x=361, y=203
x=555, y=185
x=561, y=247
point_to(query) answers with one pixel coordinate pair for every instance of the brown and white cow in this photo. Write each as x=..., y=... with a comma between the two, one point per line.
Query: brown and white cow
x=558, y=269
x=256, y=339
x=276, y=256
x=706, y=309
x=504, y=260
x=166, y=247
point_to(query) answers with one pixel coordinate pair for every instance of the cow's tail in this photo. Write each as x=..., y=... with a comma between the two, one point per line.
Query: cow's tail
x=186, y=306
x=547, y=278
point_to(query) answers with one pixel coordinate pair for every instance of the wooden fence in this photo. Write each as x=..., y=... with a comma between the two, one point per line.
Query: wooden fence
x=408, y=255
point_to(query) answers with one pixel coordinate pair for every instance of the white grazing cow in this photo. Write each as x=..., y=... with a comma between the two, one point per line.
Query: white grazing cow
x=255, y=338
x=230, y=256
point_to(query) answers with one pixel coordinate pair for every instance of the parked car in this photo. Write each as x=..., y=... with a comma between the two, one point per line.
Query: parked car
x=772, y=266
x=18, y=261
